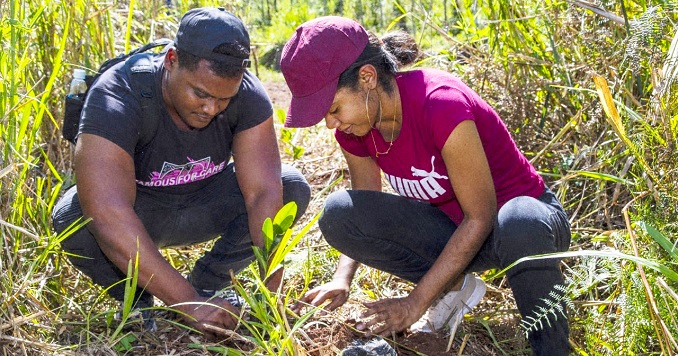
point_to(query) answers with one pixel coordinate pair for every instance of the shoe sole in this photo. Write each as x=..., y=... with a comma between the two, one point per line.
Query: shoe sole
x=476, y=296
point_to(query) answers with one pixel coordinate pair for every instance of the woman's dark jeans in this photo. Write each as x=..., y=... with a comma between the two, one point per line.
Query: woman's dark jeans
x=405, y=237
x=180, y=220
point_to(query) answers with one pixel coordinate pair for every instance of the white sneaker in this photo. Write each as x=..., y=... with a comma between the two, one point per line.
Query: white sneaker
x=450, y=309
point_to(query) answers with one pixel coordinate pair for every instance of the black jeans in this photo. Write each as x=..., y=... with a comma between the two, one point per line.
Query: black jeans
x=405, y=237
x=180, y=220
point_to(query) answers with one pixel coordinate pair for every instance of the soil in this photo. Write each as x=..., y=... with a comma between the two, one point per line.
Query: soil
x=279, y=93
x=480, y=334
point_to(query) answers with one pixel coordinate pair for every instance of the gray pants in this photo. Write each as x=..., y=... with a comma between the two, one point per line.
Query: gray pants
x=405, y=237
x=180, y=220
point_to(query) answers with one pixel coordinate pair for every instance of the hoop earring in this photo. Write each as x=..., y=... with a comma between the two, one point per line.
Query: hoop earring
x=367, y=107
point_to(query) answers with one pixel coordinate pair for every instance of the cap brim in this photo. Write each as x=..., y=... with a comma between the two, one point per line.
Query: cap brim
x=311, y=109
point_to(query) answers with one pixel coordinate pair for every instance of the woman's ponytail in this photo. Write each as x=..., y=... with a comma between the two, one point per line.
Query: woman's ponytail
x=402, y=46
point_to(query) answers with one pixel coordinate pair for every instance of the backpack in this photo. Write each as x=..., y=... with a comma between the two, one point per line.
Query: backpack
x=140, y=71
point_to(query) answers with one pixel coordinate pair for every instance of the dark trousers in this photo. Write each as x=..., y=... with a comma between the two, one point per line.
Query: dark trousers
x=405, y=237
x=180, y=220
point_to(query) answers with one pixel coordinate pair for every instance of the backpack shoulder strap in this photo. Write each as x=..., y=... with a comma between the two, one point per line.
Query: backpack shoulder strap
x=142, y=81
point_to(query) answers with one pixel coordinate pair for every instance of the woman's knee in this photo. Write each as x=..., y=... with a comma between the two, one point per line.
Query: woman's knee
x=525, y=226
x=334, y=220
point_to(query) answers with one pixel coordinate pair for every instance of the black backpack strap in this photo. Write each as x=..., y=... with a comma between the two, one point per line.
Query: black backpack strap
x=148, y=46
x=142, y=81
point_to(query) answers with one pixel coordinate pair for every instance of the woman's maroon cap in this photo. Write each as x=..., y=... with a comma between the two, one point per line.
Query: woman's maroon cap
x=312, y=61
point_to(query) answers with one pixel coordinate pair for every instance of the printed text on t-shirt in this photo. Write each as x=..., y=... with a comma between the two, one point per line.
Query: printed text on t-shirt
x=175, y=174
x=426, y=188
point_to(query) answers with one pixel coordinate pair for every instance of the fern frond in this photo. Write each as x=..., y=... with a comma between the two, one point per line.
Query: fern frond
x=555, y=307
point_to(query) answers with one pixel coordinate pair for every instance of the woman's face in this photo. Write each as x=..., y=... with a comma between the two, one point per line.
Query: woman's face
x=348, y=113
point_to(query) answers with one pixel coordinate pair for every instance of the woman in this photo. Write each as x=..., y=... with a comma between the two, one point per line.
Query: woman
x=468, y=199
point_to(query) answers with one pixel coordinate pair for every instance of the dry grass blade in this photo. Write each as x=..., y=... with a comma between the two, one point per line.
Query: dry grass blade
x=20, y=229
x=45, y=347
x=614, y=119
x=668, y=289
x=230, y=334
x=17, y=321
x=599, y=10
x=5, y=171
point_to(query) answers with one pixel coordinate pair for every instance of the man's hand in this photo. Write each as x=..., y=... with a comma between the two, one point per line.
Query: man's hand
x=209, y=315
x=337, y=291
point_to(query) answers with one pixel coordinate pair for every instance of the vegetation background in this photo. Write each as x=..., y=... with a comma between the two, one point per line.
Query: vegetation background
x=587, y=89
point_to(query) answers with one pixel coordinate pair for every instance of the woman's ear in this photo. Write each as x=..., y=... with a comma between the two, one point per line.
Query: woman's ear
x=367, y=76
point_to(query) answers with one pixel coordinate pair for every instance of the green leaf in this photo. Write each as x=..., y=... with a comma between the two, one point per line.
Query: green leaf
x=267, y=229
x=285, y=218
x=125, y=343
x=281, y=115
x=298, y=151
x=603, y=176
x=279, y=254
x=667, y=272
x=661, y=239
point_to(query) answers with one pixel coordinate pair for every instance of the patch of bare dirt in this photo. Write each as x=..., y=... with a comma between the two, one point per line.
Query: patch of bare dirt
x=475, y=337
x=279, y=93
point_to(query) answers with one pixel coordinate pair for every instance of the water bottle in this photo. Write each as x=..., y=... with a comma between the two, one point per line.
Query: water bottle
x=75, y=99
x=78, y=85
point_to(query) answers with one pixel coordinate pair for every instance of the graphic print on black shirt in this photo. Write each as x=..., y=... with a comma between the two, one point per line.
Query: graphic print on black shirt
x=177, y=174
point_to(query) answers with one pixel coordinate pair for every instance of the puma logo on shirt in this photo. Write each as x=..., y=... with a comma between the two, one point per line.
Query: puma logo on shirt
x=426, y=188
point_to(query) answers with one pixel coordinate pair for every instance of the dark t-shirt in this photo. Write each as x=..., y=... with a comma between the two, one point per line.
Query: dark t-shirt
x=167, y=159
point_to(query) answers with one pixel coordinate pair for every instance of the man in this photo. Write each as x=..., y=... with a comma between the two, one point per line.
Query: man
x=178, y=187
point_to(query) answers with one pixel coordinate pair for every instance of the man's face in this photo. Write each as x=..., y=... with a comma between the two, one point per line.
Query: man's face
x=195, y=97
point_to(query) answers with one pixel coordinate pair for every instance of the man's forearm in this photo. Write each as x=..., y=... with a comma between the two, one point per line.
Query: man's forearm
x=258, y=210
x=123, y=242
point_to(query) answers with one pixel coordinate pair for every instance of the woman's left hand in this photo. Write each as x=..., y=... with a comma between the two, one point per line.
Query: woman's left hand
x=389, y=316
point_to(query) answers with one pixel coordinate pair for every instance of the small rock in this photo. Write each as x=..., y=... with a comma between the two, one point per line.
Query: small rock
x=374, y=347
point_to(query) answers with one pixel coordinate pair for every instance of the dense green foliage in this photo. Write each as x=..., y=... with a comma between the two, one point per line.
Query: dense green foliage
x=612, y=162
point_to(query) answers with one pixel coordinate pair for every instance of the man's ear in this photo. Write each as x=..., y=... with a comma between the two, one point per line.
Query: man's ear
x=171, y=59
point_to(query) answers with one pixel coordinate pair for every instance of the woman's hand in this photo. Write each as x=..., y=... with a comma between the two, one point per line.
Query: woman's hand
x=390, y=316
x=336, y=291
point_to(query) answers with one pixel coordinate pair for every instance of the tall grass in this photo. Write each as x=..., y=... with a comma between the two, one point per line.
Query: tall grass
x=608, y=150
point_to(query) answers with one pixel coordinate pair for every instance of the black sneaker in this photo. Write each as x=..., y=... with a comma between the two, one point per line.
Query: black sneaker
x=227, y=293
x=141, y=313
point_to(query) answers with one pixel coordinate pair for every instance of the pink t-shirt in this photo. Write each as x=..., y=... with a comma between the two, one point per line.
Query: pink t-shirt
x=434, y=102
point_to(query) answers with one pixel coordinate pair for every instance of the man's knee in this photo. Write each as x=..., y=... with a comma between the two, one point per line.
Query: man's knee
x=296, y=189
x=66, y=211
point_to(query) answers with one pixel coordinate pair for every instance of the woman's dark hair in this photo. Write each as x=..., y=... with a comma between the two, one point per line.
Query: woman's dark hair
x=395, y=49
x=402, y=46
x=224, y=70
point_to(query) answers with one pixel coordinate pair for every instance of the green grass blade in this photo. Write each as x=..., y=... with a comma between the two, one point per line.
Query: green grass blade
x=660, y=239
